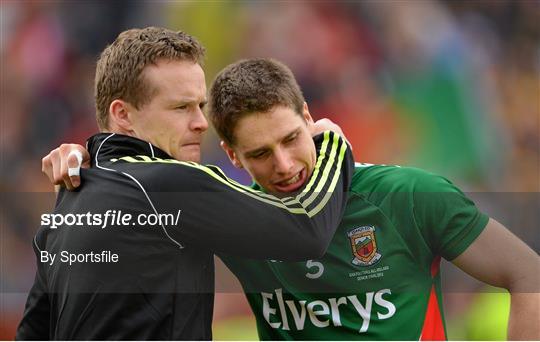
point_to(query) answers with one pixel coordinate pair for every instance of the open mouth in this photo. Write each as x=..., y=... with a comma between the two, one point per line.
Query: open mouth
x=293, y=183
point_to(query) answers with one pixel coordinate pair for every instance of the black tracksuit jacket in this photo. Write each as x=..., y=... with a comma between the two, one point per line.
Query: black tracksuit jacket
x=162, y=285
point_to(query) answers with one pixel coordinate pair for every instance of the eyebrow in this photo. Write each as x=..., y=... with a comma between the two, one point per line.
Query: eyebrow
x=264, y=148
x=185, y=101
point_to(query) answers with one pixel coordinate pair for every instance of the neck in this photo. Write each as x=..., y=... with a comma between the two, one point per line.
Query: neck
x=114, y=128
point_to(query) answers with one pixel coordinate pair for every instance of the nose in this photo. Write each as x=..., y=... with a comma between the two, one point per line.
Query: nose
x=283, y=163
x=199, y=122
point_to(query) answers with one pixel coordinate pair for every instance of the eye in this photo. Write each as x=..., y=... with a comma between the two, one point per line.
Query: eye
x=291, y=138
x=182, y=107
x=202, y=105
x=259, y=155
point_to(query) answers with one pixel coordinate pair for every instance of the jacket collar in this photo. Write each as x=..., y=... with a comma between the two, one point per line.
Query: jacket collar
x=105, y=146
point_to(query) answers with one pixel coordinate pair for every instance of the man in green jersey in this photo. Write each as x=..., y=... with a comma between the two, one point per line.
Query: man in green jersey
x=379, y=279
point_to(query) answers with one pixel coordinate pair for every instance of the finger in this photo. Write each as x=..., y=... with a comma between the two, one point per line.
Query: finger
x=46, y=167
x=85, y=157
x=55, y=165
x=64, y=173
x=318, y=127
x=74, y=162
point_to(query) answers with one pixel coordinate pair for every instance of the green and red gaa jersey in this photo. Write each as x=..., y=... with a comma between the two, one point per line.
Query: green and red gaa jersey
x=379, y=279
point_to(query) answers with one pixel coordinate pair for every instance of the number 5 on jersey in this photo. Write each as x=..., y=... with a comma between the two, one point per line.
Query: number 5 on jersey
x=316, y=269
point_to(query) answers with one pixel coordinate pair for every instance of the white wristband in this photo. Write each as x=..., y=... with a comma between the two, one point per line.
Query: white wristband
x=75, y=171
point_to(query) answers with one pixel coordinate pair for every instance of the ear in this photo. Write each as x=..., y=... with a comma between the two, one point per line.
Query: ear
x=119, y=116
x=309, y=120
x=307, y=115
x=231, y=154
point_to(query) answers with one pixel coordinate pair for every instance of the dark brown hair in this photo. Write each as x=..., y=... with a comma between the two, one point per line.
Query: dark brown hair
x=249, y=86
x=119, y=70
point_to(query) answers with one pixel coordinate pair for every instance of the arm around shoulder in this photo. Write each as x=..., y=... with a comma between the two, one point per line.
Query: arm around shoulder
x=229, y=218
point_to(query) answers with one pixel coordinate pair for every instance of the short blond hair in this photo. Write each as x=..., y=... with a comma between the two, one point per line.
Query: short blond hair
x=119, y=70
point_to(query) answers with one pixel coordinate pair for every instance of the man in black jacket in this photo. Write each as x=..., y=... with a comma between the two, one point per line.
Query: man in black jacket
x=129, y=255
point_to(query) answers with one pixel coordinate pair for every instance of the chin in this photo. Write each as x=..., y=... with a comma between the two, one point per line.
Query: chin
x=195, y=159
x=189, y=157
x=280, y=194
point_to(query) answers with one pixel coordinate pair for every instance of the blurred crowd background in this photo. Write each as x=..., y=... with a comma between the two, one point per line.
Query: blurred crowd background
x=449, y=86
